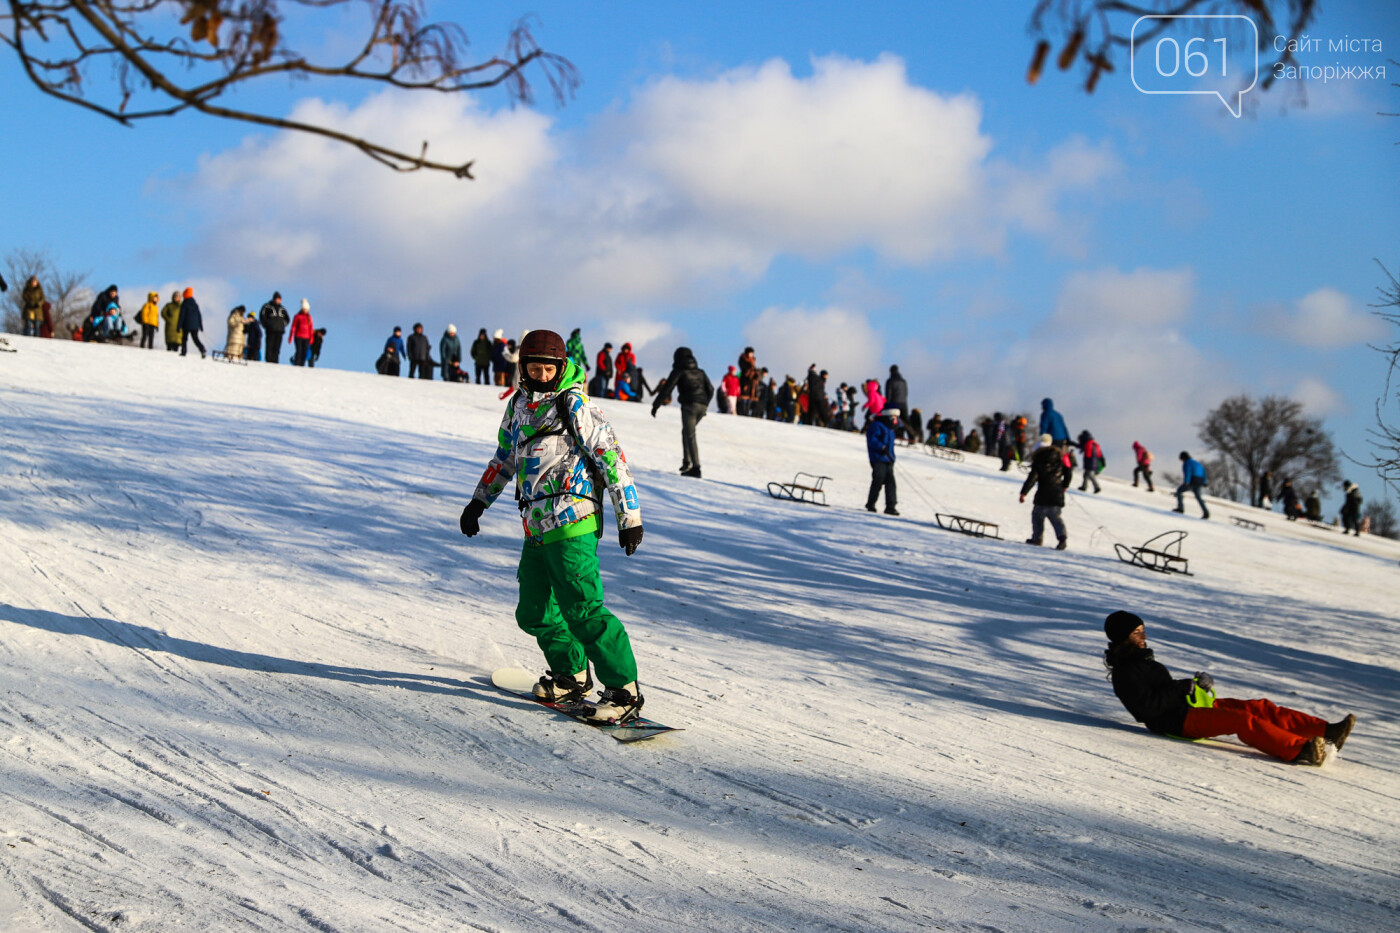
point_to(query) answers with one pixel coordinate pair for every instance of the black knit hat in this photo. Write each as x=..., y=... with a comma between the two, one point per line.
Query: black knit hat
x=1119, y=625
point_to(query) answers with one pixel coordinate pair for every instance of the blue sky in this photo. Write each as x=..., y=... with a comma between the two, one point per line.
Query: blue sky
x=853, y=186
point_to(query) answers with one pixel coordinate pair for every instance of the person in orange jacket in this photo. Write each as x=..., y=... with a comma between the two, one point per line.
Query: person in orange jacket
x=302, y=331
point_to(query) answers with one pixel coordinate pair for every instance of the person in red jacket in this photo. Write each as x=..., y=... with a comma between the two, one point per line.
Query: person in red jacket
x=301, y=334
x=602, y=372
x=1093, y=461
x=729, y=385
x=1144, y=465
x=626, y=359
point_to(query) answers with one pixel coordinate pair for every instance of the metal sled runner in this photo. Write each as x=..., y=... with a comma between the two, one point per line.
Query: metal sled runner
x=798, y=491
x=1162, y=553
x=946, y=453
x=1247, y=523
x=968, y=526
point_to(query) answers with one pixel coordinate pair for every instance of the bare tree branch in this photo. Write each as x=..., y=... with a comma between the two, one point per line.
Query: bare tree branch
x=59, y=42
x=1094, y=31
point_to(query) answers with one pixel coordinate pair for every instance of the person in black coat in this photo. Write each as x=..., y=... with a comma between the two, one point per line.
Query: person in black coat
x=274, y=319
x=420, y=354
x=1052, y=475
x=1188, y=708
x=694, y=391
x=897, y=393
x=191, y=323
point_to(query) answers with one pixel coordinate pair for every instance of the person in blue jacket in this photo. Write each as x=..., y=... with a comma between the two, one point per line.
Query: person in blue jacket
x=400, y=353
x=1193, y=477
x=1051, y=423
x=879, y=443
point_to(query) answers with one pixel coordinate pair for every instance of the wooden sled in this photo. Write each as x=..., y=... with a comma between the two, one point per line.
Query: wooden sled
x=799, y=491
x=968, y=526
x=1162, y=553
x=1247, y=523
x=946, y=453
x=221, y=355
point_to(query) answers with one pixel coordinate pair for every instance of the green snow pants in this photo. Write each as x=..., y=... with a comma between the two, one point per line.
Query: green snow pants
x=561, y=605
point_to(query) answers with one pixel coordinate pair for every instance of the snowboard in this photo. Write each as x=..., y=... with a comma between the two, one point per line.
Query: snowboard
x=519, y=682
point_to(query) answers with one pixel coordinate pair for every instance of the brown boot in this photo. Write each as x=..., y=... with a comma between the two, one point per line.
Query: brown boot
x=1337, y=732
x=1313, y=752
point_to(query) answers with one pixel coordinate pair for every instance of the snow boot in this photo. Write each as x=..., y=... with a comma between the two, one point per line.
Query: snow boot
x=563, y=688
x=619, y=704
x=890, y=511
x=870, y=507
x=692, y=472
x=1337, y=732
x=1179, y=511
x=1313, y=752
x=1064, y=543
x=1035, y=541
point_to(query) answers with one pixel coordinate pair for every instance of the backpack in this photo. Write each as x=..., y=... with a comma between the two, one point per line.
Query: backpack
x=561, y=405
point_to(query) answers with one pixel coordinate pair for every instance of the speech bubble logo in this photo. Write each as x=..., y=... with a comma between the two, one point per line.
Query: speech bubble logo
x=1184, y=65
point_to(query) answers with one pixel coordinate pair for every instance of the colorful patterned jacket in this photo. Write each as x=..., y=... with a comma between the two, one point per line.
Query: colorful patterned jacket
x=554, y=489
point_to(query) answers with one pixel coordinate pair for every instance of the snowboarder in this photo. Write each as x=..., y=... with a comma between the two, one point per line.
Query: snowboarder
x=1189, y=709
x=1050, y=471
x=1193, y=477
x=562, y=450
x=694, y=391
x=879, y=444
x=1143, y=458
x=1093, y=461
x=1351, y=509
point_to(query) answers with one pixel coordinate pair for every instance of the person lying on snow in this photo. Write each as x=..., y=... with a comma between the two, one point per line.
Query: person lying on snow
x=563, y=451
x=1189, y=709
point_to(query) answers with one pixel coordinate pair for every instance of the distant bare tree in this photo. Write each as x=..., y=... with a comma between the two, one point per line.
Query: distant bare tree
x=1226, y=479
x=68, y=298
x=1383, y=520
x=1093, y=32
x=1385, y=436
x=155, y=64
x=1271, y=435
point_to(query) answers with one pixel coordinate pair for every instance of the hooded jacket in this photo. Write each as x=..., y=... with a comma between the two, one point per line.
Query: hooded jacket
x=896, y=389
x=450, y=349
x=1144, y=456
x=626, y=359
x=1051, y=475
x=419, y=349
x=274, y=319
x=150, y=311
x=689, y=381
x=1351, y=508
x=575, y=351
x=171, y=315
x=33, y=301
x=874, y=401
x=879, y=441
x=1051, y=423
x=553, y=486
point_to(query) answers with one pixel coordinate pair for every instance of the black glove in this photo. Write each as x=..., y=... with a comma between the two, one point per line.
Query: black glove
x=471, y=516
x=1205, y=681
x=630, y=538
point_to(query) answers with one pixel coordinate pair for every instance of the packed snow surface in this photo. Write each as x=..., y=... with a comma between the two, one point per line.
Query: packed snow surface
x=245, y=657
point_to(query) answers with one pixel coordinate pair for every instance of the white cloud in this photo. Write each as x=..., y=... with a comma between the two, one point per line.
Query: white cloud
x=1318, y=398
x=842, y=341
x=687, y=193
x=1110, y=298
x=1110, y=354
x=1324, y=319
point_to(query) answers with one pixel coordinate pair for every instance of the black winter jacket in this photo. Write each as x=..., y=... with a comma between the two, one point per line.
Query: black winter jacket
x=1147, y=690
x=1048, y=471
x=274, y=319
x=420, y=349
x=689, y=381
x=896, y=391
x=191, y=321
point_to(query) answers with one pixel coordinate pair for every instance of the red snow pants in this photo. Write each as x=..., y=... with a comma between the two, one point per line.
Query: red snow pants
x=1274, y=730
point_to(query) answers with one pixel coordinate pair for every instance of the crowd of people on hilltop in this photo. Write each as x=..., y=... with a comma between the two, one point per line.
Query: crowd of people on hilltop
x=180, y=321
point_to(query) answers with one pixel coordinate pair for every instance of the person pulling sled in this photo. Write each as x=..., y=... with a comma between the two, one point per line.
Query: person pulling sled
x=562, y=452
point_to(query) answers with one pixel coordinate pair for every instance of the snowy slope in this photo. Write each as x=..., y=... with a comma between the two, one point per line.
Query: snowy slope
x=244, y=662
